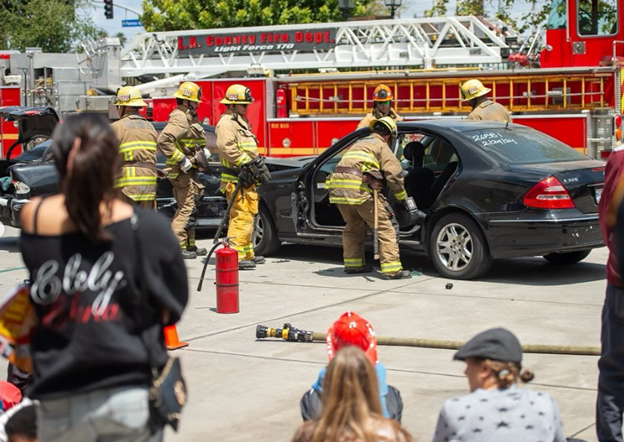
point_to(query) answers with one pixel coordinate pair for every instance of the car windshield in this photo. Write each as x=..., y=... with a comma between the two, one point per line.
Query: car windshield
x=522, y=145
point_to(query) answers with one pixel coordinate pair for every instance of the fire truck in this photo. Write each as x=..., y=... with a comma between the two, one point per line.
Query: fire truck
x=312, y=83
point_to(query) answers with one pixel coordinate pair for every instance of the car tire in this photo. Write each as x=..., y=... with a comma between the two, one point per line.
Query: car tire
x=567, y=258
x=458, y=248
x=265, y=239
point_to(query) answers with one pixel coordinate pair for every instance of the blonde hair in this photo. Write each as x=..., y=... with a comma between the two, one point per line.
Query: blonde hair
x=350, y=399
x=508, y=373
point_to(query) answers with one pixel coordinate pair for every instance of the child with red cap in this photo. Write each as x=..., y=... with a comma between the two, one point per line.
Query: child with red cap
x=352, y=329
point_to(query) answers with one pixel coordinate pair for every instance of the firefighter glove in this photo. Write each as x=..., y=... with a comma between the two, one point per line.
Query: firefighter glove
x=255, y=171
x=185, y=164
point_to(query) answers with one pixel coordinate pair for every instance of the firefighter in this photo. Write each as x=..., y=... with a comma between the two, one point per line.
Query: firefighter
x=137, y=137
x=370, y=156
x=180, y=141
x=238, y=150
x=475, y=94
x=382, y=106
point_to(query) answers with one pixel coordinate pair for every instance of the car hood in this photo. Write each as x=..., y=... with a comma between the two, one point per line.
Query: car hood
x=32, y=121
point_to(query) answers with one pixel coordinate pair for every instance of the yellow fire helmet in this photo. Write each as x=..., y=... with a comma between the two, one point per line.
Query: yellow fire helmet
x=129, y=96
x=237, y=94
x=387, y=122
x=473, y=89
x=189, y=91
x=382, y=93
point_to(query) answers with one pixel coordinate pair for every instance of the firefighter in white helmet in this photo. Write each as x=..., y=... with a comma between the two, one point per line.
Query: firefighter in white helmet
x=180, y=141
x=238, y=150
x=483, y=108
x=369, y=160
x=382, y=106
x=137, y=137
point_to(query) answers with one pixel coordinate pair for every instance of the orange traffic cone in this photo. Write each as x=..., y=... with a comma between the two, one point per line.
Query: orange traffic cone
x=171, y=338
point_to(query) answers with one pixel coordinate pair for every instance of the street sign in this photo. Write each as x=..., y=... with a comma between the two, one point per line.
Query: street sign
x=130, y=23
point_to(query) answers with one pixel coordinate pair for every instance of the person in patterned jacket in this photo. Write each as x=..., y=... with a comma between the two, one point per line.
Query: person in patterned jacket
x=496, y=410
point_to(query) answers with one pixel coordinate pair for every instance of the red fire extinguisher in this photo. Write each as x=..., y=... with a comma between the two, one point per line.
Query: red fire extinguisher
x=280, y=103
x=227, y=279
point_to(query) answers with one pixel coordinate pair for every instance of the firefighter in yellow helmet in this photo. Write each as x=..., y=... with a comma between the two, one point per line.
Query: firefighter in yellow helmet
x=483, y=108
x=382, y=106
x=238, y=150
x=137, y=137
x=180, y=141
x=368, y=160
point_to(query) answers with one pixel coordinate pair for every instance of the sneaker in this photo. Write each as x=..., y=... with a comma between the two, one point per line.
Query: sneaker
x=188, y=255
x=356, y=270
x=403, y=274
x=246, y=265
x=199, y=250
x=259, y=259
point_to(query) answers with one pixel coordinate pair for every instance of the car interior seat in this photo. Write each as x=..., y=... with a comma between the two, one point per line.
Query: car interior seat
x=419, y=179
x=441, y=180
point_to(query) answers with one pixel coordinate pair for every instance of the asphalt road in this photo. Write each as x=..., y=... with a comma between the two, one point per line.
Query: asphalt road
x=241, y=389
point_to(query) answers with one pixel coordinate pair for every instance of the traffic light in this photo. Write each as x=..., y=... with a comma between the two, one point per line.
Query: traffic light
x=108, y=9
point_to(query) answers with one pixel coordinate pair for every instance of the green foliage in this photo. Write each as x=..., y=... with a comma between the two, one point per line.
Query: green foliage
x=51, y=25
x=171, y=15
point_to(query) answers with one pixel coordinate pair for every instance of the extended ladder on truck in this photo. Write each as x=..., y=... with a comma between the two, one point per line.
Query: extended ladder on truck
x=417, y=42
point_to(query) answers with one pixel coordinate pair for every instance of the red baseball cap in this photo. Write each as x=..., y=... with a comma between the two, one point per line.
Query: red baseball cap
x=352, y=329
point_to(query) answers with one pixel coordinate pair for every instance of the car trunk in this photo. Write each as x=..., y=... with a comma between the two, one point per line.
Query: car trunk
x=582, y=179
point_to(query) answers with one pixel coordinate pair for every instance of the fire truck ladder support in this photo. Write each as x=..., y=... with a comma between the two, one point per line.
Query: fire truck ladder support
x=424, y=42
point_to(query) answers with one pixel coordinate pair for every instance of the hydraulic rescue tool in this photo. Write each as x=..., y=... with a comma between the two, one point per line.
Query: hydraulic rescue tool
x=292, y=334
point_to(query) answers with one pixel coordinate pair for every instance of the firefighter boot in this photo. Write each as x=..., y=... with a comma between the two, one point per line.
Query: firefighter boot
x=403, y=274
x=246, y=265
x=186, y=254
x=199, y=251
x=258, y=259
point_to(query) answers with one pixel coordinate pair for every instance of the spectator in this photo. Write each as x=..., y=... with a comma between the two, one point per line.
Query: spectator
x=610, y=401
x=496, y=410
x=351, y=405
x=22, y=427
x=351, y=329
x=88, y=266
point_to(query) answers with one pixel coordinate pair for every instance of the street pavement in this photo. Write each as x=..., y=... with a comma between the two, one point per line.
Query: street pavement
x=243, y=389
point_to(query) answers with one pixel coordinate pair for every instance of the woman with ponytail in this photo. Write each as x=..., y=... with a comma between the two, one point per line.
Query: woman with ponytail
x=102, y=290
x=496, y=410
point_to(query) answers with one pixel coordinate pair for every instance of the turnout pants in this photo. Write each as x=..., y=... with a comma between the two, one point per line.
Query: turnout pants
x=610, y=402
x=186, y=189
x=149, y=204
x=241, y=225
x=354, y=235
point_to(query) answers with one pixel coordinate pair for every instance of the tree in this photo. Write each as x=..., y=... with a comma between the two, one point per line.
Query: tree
x=51, y=25
x=167, y=15
x=122, y=38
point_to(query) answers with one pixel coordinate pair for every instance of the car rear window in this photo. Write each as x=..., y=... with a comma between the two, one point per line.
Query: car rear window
x=520, y=145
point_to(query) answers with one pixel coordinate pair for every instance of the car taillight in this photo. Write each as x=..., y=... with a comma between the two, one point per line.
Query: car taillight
x=548, y=194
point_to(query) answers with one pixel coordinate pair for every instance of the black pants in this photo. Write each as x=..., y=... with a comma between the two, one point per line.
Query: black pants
x=610, y=403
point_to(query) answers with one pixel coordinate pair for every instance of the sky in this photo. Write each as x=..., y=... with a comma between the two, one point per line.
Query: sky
x=410, y=8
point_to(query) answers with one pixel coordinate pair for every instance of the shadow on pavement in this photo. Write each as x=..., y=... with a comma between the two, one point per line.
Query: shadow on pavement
x=10, y=244
x=527, y=271
x=538, y=271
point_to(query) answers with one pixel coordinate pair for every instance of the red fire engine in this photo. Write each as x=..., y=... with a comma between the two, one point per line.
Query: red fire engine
x=568, y=86
x=565, y=82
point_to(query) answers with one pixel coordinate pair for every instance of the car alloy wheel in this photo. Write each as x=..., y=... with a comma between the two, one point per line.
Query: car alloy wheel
x=458, y=247
x=454, y=246
x=258, y=231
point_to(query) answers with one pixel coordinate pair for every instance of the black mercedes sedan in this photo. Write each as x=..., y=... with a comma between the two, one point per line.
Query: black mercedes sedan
x=485, y=190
